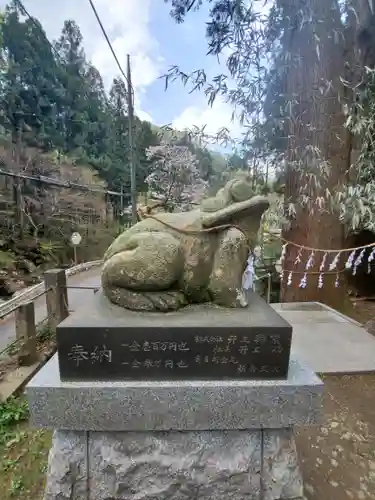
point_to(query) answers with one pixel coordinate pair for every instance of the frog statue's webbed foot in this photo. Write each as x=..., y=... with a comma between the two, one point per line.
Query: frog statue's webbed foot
x=143, y=275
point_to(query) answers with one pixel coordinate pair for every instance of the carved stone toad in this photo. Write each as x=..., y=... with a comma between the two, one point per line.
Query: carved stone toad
x=170, y=260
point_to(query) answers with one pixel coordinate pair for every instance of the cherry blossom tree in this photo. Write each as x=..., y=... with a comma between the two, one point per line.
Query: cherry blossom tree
x=175, y=178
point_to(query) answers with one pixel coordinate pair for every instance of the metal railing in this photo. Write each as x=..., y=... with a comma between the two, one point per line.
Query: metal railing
x=31, y=336
x=35, y=291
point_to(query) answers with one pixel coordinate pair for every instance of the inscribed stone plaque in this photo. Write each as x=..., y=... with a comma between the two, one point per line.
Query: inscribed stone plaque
x=200, y=342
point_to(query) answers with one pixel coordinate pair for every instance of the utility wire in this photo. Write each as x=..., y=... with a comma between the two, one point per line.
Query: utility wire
x=38, y=25
x=111, y=47
x=130, y=99
x=59, y=183
x=40, y=117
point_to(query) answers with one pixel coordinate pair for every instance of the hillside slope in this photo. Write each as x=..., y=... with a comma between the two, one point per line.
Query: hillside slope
x=36, y=224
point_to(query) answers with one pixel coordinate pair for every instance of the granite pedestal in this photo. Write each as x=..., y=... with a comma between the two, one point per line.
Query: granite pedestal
x=195, y=404
x=198, y=342
x=179, y=440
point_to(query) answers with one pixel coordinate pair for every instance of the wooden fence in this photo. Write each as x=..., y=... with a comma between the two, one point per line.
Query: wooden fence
x=25, y=345
x=25, y=348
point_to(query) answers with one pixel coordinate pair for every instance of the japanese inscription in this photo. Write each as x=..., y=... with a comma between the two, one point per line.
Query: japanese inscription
x=78, y=354
x=200, y=353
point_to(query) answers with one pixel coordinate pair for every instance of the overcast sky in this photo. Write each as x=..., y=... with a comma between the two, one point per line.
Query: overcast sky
x=145, y=30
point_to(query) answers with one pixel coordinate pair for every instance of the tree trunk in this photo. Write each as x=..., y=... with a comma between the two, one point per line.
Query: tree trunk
x=316, y=135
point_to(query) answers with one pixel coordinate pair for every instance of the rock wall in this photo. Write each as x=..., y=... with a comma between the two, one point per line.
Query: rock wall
x=211, y=465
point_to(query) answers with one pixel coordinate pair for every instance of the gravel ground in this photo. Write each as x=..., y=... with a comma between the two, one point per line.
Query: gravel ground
x=338, y=459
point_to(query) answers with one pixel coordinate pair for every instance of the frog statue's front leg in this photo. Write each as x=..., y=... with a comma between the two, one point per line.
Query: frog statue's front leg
x=225, y=286
x=143, y=273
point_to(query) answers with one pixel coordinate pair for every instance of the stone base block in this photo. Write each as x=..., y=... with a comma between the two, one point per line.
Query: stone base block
x=208, y=465
x=191, y=405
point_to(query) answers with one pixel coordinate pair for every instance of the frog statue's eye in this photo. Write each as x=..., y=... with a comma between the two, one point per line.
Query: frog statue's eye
x=241, y=190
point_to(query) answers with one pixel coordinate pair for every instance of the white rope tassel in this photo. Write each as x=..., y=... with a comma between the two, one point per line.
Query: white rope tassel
x=290, y=279
x=249, y=274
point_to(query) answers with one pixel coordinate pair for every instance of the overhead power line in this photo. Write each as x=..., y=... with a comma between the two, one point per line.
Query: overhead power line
x=32, y=19
x=111, y=48
x=133, y=176
x=60, y=183
x=38, y=25
x=130, y=89
x=130, y=98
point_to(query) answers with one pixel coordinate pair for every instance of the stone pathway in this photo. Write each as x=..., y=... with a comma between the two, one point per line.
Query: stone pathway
x=328, y=341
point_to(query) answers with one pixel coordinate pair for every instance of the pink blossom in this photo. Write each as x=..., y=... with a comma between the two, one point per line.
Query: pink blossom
x=175, y=177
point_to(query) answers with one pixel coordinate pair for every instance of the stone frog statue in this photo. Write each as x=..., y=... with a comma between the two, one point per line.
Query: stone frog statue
x=169, y=260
